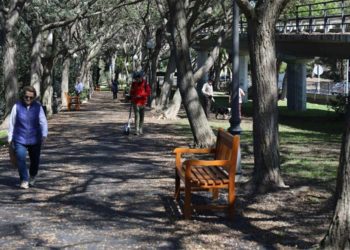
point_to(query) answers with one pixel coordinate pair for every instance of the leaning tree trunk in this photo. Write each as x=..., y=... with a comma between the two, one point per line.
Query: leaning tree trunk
x=174, y=107
x=202, y=133
x=338, y=235
x=265, y=117
x=167, y=83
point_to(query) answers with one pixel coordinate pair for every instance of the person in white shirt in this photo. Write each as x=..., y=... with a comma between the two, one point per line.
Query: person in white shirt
x=208, y=93
x=27, y=132
x=79, y=86
x=240, y=95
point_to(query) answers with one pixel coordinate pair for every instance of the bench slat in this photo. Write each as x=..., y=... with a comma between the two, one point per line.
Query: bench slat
x=207, y=176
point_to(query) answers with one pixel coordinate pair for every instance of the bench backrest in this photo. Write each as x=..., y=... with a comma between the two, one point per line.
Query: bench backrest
x=227, y=147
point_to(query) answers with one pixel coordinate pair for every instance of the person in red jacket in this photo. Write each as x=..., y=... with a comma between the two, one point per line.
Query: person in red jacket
x=139, y=93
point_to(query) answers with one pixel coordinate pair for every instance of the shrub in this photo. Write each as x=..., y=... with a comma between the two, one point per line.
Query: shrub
x=339, y=104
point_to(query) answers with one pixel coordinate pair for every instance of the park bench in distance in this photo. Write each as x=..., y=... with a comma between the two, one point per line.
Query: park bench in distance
x=208, y=175
x=72, y=101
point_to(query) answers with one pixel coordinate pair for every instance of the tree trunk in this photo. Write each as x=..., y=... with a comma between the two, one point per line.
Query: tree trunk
x=10, y=75
x=217, y=71
x=202, y=133
x=47, y=64
x=65, y=80
x=265, y=117
x=36, y=69
x=85, y=73
x=9, y=86
x=284, y=86
x=174, y=107
x=338, y=235
x=153, y=67
x=167, y=83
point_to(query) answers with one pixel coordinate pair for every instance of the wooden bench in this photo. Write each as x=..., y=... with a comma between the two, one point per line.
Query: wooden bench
x=72, y=101
x=208, y=175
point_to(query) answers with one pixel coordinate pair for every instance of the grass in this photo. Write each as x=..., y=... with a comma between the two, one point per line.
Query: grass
x=3, y=135
x=309, y=141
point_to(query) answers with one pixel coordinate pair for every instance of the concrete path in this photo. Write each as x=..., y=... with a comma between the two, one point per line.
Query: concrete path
x=100, y=189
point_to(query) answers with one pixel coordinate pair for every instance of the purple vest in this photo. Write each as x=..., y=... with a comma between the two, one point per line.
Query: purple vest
x=27, y=129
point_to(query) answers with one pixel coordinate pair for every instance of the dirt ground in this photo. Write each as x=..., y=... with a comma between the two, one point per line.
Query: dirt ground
x=100, y=189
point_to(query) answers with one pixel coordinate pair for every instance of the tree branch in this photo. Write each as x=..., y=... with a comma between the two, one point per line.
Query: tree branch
x=246, y=8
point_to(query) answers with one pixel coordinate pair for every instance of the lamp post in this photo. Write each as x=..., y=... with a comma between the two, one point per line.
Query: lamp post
x=235, y=119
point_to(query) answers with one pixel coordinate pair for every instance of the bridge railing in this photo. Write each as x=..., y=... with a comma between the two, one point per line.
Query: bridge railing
x=324, y=17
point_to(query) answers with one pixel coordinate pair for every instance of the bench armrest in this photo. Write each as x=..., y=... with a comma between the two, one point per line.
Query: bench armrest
x=207, y=163
x=194, y=150
x=180, y=151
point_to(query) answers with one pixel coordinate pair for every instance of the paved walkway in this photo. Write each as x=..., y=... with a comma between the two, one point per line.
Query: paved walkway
x=99, y=189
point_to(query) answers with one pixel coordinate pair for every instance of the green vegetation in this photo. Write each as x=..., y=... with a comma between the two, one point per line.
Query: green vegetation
x=309, y=141
x=3, y=135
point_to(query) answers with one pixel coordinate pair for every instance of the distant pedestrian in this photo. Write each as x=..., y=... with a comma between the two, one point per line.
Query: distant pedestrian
x=115, y=87
x=208, y=93
x=79, y=87
x=27, y=132
x=139, y=93
x=240, y=100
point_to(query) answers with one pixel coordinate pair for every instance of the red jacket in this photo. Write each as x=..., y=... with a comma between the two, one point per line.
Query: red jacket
x=139, y=92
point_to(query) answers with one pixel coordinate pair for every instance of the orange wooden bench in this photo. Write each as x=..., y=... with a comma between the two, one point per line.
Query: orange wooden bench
x=208, y=175
x=72, y=101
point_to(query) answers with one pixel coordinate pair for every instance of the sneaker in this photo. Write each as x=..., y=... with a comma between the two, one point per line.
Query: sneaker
x=31, y=181
x=24, y=185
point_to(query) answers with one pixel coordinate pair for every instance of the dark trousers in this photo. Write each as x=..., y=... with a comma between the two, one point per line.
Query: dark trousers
x=207, y=105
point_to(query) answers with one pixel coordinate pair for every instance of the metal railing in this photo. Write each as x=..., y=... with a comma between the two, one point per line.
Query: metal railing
x=325, y=17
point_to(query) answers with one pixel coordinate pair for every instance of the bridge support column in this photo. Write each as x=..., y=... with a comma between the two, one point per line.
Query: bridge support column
x=296, y=89
x=243, y=74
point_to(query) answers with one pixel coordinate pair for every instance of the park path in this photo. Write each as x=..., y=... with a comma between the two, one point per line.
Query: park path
x=100, y=189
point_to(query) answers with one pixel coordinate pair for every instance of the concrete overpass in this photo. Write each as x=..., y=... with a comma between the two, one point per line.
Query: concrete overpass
x=315, y=30
x=296, y=50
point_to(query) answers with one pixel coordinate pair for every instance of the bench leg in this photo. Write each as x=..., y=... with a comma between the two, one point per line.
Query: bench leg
x=68, y=106
x=187, y=204
x=215, y=193
x=177, y=186
x=231, y=200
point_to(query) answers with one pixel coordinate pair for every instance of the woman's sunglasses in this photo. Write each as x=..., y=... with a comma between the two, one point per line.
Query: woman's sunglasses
x=28, y=97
